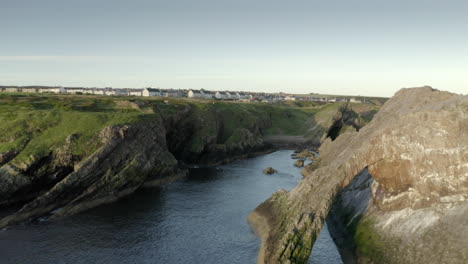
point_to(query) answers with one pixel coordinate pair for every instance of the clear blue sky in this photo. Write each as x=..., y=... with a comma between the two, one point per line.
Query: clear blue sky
x=367, y=47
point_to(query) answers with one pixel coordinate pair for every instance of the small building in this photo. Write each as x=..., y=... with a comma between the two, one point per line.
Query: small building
x=208, y=94
x=195, y=94
x=98, y=91
x=290, y=98
x=109, y=91
x=135, y=92
x=121, y=92
x=56, y=89
x=354, y=100
x=73, y=90
x=222, y=95
x=29, y=89
x=11, y=89
x=235, y=96
x=247, y=96
x=171, y=93
x=151, y=92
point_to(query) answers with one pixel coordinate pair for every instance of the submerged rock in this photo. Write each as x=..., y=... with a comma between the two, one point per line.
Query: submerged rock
x=269, y=170
x=410, y=208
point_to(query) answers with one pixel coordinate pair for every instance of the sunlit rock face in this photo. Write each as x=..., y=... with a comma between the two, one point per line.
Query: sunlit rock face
x=415, y=207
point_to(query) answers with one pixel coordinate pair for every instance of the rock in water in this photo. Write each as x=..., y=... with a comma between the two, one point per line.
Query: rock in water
x=299, y=163
x=409, y=205
x=303, y=155
x=269, y=170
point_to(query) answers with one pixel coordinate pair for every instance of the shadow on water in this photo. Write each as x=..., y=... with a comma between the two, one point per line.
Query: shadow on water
x=202, y=219
x=204, y=174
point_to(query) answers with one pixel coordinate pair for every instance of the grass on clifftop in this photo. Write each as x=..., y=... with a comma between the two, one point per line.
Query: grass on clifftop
x=35, y=124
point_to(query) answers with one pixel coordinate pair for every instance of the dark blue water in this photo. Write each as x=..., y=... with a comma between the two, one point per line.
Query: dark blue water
x=198, y=220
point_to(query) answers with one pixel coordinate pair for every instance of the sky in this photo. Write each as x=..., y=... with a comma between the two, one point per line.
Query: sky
x=348, y=47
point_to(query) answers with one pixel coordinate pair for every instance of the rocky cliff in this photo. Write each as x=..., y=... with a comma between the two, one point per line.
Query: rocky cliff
x=409, y=203
x=60, y=155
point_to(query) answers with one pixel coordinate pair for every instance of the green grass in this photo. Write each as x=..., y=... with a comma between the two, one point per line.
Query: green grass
x=36, y=124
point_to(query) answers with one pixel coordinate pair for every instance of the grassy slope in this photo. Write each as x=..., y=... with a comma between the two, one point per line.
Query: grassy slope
x=34, y=124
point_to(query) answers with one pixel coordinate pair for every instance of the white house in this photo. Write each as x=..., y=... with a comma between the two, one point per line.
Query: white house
x=235, y=96
x=73, y=90
x=354, y=100
x=11, y=89
x=110, y=91
x=222, y=95
x=170, y=93
x=135, y=92
x=151, y=92
x=218, y=95
x=195, y=94
x=290, y=98
x=57, y=89
x=245, y=96
x=208, y=94
x=98, y=91
x=29, y=90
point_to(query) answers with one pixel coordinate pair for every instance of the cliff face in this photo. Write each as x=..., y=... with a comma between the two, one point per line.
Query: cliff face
x=211, y=135
x=61, y=155
x=130, y=156
x=412, y=209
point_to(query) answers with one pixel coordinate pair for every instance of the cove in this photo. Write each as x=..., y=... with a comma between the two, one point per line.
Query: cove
x=201, y=219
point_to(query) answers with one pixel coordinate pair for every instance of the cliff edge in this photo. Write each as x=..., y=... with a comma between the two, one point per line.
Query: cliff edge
x=409, y=203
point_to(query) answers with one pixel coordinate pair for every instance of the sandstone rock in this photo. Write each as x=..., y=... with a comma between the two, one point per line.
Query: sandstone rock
x=299, y=163
x=414, y=208
x=269, y=170
x=303, y=154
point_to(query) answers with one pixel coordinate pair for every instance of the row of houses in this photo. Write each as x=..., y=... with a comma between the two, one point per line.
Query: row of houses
x=201, y=94
x=97, y=91
x=58, y=90
x=191, y=93
x=222, y=95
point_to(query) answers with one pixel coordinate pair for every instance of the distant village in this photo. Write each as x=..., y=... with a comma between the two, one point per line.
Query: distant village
x=189, y=93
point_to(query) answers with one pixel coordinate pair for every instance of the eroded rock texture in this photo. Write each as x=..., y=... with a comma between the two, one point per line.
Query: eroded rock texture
x=129, y=157
x=412, y=210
